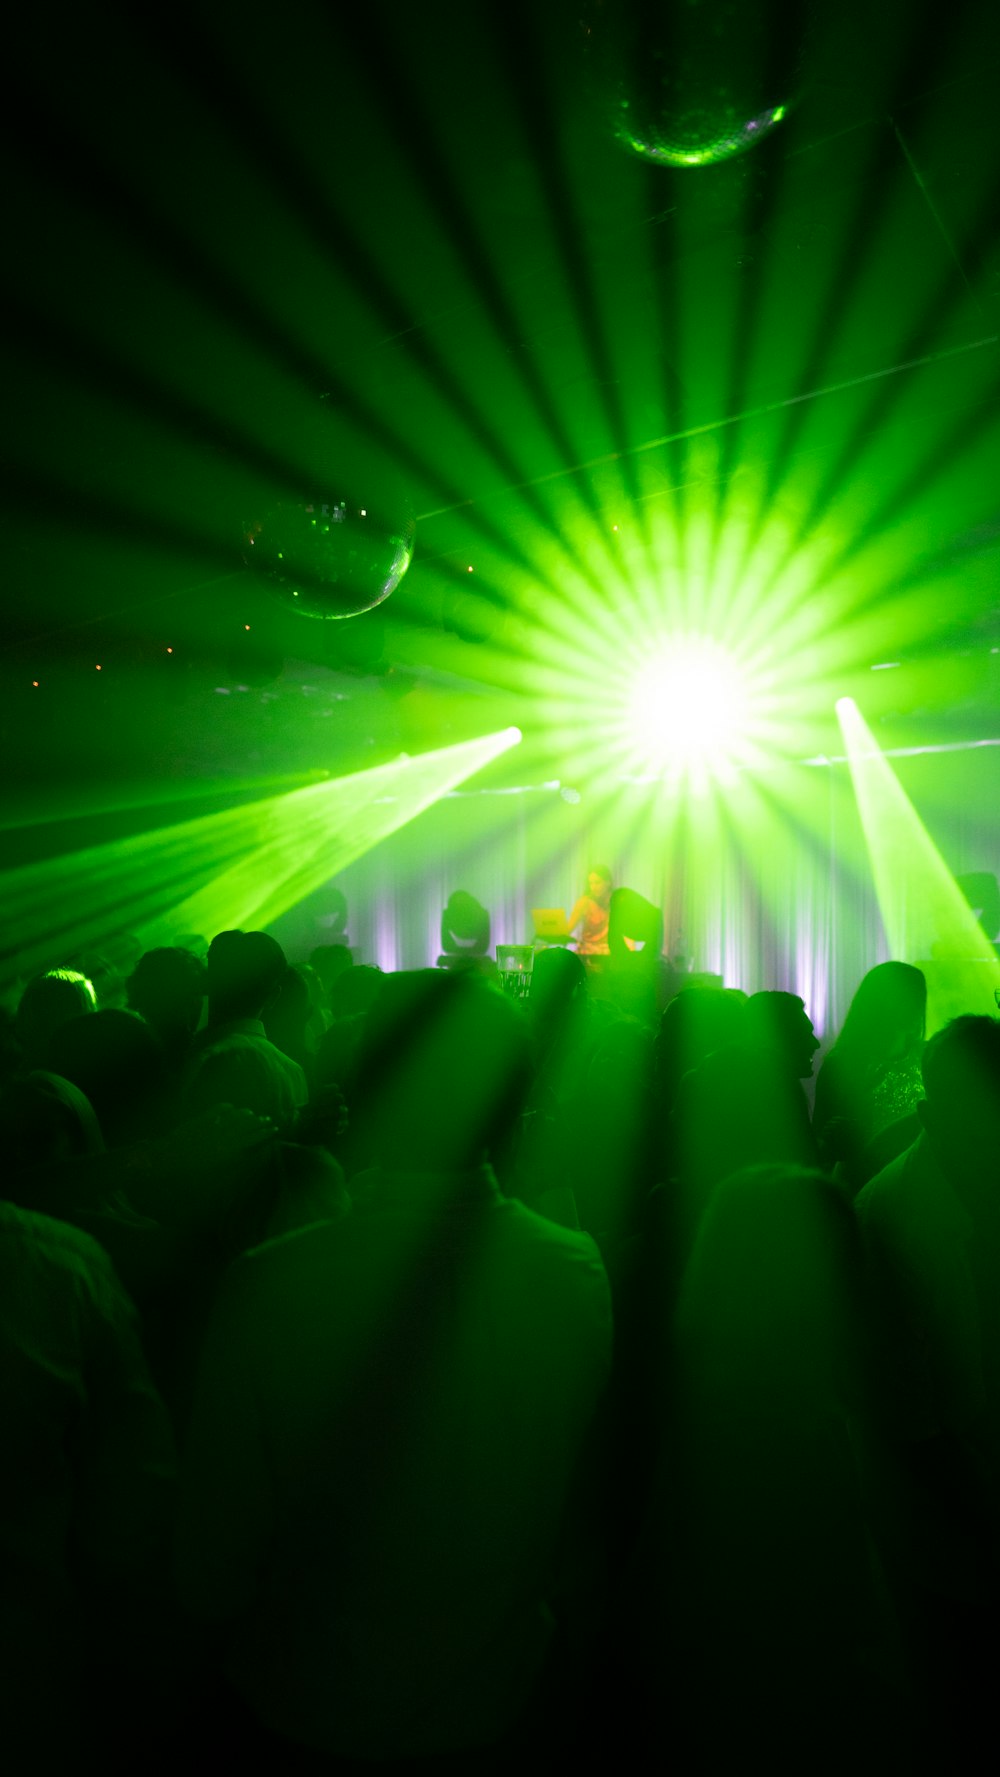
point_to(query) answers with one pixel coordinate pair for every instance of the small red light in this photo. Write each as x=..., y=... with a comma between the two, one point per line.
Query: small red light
x=97, y=669
x=35, y=683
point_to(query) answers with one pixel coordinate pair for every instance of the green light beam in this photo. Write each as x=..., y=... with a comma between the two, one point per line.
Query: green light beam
x=342, y=823
x=240, y=868
x=926, y=917
x=733, y=419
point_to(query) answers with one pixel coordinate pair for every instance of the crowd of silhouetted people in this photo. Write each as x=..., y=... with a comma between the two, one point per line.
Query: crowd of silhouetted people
x=397, y=1375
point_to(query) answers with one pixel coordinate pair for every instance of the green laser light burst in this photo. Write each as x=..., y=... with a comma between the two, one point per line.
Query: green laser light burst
x=687, y=708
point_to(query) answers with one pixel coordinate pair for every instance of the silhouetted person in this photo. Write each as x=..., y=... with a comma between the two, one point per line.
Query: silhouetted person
x=85, y=1502
x=694, y=1024
x=329, y=961
x=47, y=1002
x=930, y=1222
x=870, y=1080
x=287, y=1017
x=45, y=1120
x=744, y=1105
x=117, y=1061
x=928, y=1219
x=556, y=1011
x=234, y=1062
x=615, y=1160
x=390, y=1412
x=773, y=1644
x=244, y=971
x=778, y=1024
x=167, y=986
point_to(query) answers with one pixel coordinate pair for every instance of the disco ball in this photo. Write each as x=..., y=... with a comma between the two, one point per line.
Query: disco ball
x=694, y=138
x=694, y=85
x=330, y=558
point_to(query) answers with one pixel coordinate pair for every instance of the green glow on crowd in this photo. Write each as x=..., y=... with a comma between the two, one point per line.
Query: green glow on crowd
x=926, y=917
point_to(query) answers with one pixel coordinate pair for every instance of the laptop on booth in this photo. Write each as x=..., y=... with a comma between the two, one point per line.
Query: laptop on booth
x=550, y=925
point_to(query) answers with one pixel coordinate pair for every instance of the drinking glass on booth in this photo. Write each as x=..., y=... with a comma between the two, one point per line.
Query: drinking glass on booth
x=514, y=965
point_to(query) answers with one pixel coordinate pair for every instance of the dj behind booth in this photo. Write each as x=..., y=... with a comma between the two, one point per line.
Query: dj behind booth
x=621, y=926
x=625, y=961
x=588, y=923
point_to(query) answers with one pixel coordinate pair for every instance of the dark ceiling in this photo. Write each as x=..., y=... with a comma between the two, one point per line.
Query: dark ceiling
x=400, y=247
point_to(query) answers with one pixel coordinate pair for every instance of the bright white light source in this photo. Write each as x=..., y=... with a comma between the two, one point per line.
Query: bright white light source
x=687, y=707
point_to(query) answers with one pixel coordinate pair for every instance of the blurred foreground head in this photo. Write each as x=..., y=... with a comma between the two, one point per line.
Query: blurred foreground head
x=47, y=1002
x=244, y=970
x=886, y=1018
x=167, y=987
x=778, y=1023
x=116, y=1060
x=46, y=1119
x=961, y=1113
x=443, y=1072
x=695, y=1023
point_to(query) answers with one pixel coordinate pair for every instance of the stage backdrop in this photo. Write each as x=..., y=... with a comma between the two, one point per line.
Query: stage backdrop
x=767, y=883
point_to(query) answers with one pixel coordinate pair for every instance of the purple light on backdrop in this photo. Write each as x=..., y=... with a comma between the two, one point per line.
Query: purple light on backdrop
x=386, y=938
x=812, y=979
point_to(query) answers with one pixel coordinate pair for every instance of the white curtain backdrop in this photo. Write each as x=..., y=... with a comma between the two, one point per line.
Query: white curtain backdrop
x=774, y=894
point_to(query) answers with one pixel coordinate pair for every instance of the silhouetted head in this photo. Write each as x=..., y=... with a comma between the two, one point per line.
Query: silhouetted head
x=47, y=1002
x=244, y=970
x=886, y=1018
x=443, y=1071
x=779, y=1022
x=117, y=1062
x=167, y=987
x=556, y=977
x=329, y=961
x=45, y=1118
x=695, y=1023
x=961, y=1112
